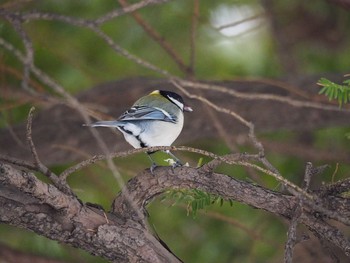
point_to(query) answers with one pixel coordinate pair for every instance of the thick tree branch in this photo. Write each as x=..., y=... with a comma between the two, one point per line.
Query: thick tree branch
x=29, y=203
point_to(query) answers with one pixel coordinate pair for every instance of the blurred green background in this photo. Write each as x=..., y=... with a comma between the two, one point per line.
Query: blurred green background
x=287, y=38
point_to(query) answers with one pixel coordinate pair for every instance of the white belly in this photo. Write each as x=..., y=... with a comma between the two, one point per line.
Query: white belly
x=158, y=133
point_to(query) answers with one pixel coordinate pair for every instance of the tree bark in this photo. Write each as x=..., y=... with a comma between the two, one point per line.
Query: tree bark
x=122, y=235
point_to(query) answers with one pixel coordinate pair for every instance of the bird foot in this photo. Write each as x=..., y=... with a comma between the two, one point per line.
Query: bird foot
x=176, y=164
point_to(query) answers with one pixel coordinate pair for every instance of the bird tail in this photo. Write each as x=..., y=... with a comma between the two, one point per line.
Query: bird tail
x=105, y=124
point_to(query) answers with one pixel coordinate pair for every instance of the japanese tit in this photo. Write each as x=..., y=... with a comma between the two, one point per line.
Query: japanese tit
x=154, y=120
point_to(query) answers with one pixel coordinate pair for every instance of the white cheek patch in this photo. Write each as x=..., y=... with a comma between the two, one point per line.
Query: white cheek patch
x=178, y=103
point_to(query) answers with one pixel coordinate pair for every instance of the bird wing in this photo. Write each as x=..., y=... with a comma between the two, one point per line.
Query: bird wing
x=147, y=113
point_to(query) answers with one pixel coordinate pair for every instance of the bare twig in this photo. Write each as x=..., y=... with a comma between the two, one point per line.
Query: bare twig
x=29, y=53
x=276, y=83
x=91, y=25
x=97, y=158
x=34, y=15
x=177, y=83
x=127, y=9
x=259, y=96
x=291, y=236
x=236, y=23
x=195, y=17
x=127, y=54
x=157, y=38
x=29, y=137
x=292, y=231
x=38, y=166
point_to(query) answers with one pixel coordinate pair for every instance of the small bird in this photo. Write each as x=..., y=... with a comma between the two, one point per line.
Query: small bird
x=154, y=120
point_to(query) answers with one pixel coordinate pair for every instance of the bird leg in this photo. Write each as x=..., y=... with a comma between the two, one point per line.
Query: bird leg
x=153, y=165
x=177, y=162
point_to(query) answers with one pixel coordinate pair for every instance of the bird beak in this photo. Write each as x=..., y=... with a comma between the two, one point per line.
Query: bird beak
x=188, y=108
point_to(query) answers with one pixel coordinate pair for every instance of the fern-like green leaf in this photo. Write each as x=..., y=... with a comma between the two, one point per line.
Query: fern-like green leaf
x=334, y=91
x=195, y=199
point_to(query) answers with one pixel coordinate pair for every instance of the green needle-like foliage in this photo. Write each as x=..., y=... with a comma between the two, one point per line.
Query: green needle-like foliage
x=335, y=91
x=194, y=199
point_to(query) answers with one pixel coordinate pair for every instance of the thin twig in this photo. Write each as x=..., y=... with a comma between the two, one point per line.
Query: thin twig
x=292, y=231
x=127, y=9
x=195, y=17
x=123, y=52
x=158, y=38
x=97, y=158
x=292, y=188
x=211, y=104
x=292, y=236
x=236, y=23
x=29, y=137
x=276, y=83
x=93, y=26
x=259, y=96
x=38, y=166
x=34, y=15
x=29, y=53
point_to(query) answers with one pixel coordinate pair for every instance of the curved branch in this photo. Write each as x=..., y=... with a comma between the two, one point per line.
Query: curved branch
x=27, y=202
x=146, y=186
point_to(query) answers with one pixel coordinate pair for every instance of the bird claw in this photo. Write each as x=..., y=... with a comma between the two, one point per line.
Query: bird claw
x=176, y=164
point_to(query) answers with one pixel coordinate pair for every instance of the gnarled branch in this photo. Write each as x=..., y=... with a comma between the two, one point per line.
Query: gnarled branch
x=27, y=202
